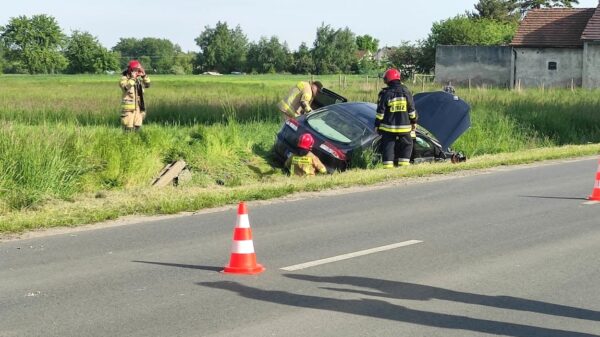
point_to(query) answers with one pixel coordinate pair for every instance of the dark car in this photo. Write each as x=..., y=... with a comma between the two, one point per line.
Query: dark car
x=344, y=129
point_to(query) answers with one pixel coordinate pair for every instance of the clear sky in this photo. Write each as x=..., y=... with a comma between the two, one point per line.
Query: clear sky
x=181, y=21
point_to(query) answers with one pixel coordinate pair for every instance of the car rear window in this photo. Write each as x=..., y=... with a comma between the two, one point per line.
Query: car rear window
x=336, y=126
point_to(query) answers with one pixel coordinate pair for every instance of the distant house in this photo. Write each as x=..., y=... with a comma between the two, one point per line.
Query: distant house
x=383, y=54
x=557, y=47
x=553, y=47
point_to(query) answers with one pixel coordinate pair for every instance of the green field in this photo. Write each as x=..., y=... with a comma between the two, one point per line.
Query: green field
x=65, y=161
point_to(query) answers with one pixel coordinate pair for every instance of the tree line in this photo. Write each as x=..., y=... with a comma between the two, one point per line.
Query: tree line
x=37, y=45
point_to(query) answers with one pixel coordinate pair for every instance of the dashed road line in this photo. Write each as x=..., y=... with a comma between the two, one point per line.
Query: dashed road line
x=350, y=255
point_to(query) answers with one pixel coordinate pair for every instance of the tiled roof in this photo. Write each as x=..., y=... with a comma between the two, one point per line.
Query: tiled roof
x=592, y=30
x=553, y=27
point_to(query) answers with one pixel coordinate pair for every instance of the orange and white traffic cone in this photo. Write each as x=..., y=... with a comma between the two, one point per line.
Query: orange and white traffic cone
x=243, y=258
x=596, y=191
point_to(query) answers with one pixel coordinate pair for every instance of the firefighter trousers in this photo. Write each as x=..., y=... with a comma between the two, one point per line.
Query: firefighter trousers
x=396, y=149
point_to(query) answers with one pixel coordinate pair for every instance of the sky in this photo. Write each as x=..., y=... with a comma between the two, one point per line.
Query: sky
x=181, y=21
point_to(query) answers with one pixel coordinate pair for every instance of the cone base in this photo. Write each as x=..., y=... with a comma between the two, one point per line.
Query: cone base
x=593, y=197
x=243, y=270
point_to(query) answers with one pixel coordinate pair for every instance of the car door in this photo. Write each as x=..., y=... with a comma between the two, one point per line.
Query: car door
x=327, y=97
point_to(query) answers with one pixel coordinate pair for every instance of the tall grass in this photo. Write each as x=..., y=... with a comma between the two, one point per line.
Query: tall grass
x=60, y=135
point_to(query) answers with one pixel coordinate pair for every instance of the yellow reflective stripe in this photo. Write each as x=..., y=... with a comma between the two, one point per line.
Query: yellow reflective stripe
x=302, y=160
x=395, y=128
x=398, y=104
x=388, y=164
x=127, y=104
x=404, y=162
x=412, y=115
x=379, y=116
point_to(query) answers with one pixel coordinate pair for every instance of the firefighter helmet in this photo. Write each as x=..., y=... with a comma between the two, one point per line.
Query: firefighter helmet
x=134, y=64
x=306, y=141
x=391, y=75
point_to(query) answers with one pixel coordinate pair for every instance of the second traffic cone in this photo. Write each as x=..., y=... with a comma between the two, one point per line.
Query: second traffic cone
x=596, y=191
x=243, y=258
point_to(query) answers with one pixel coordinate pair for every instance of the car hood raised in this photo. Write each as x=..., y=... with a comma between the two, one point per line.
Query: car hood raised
x=443, y=114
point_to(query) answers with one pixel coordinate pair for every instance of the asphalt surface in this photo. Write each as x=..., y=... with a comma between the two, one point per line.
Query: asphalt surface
x=512, y=252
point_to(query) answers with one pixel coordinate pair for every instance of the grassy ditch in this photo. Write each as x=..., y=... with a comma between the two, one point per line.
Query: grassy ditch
x=65, y=160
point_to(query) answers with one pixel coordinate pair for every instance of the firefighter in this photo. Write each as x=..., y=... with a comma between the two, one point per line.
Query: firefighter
x=304, y=162
x=299, y=99
x=395, y=121
x=132, y=83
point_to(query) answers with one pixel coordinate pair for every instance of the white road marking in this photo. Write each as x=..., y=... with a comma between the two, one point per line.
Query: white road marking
x=591, y=202
x=350, y=255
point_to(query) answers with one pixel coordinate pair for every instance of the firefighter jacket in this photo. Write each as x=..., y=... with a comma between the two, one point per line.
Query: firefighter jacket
x=133, y=92
x=298, y=100
x=395, y=109
x=307, y=165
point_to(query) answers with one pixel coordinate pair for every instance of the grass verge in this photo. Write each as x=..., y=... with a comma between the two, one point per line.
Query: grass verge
x=148, y=201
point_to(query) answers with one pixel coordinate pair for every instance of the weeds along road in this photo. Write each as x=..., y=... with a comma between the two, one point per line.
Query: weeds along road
x=512, y=253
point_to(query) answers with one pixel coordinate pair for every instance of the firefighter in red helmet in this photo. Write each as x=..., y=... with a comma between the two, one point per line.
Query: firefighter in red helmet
x=304, y=162
x=396, y=120
x=133, y=108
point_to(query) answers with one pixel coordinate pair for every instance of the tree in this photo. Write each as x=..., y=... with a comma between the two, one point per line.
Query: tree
x=406, y=58
x=222, y=49
x=461, y=30
x=157, y=55
x=86, y=55
x=184, y=63
x=334, y=50
x=34, y=44
x=268, y=56
x=367, y=43
x=302, y=60
x=500, y=10
x=526, y=5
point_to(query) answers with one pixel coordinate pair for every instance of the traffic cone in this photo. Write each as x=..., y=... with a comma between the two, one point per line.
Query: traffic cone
x=243, y=258
x=596, y=191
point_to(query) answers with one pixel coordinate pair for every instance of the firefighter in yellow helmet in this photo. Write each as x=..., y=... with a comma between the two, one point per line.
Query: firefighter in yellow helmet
x=133, y=108
x=304, y=162
x=298, y=102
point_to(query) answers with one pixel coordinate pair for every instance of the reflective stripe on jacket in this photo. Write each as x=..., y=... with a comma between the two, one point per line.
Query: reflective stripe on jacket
x=298, y=100
x=395, y=109
x=307, y=165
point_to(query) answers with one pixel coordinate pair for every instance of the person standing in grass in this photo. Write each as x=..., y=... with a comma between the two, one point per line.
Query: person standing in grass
x=395, y=120
x=132, y=83
x=304, y=162
x=299, y=99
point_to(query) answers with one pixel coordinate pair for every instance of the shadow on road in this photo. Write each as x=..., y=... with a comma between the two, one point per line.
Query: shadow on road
x=550, y=197
x=411, y=291
x=390, y=289
x=189, y=266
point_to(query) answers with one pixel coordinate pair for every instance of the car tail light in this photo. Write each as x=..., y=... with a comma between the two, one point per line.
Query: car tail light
x=292, y=123
x=334, y=151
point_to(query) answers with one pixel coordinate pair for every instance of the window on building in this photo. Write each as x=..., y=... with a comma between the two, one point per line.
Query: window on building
x=552, y=65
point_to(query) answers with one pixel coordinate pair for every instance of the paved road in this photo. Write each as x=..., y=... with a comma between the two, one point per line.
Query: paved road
x=512, y=252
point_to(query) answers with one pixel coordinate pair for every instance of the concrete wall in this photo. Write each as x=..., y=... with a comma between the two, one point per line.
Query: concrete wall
x=591, y=65
x=531, y=67
x=482, y=65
